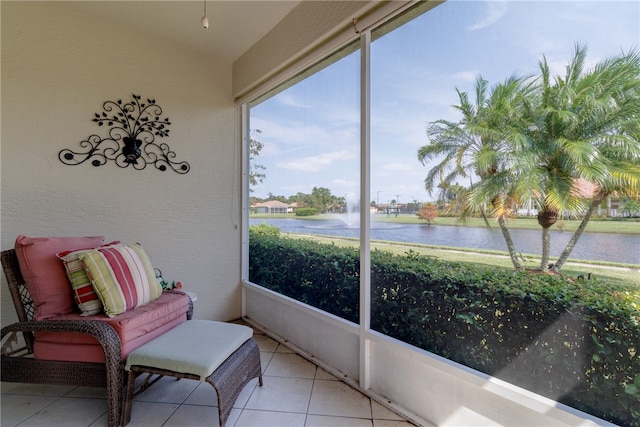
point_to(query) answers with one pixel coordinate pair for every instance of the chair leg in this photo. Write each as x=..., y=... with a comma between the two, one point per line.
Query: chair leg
x=233, y=375
x=115, y=379
x=128, y=400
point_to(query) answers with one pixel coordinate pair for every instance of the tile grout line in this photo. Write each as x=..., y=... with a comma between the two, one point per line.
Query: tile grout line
x=263, y=369
x=313, y=386
x=244, y=406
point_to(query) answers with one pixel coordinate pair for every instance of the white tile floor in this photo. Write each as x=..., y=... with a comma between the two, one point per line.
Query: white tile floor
x=295, y=393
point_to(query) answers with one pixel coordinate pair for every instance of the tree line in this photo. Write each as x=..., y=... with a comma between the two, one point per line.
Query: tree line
x=320, y=199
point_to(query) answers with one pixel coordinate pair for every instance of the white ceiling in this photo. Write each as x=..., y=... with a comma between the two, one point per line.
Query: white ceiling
x=234, y=25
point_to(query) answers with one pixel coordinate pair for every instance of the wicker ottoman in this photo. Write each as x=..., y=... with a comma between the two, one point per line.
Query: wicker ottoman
x=222, y=354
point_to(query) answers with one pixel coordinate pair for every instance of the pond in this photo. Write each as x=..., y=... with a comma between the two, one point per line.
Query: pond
x=591, y=246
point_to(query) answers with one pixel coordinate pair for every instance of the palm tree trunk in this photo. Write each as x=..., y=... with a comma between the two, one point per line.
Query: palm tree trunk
x=574, y=239
x=484, y=216
x=546, y=249
x=510, y=246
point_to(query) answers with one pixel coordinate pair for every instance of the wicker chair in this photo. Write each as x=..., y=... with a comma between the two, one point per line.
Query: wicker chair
x=19, y=365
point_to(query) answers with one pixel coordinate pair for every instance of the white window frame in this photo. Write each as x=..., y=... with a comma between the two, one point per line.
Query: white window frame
x=425, y=388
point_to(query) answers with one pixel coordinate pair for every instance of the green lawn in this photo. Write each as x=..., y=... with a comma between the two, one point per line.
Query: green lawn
x=615, y=273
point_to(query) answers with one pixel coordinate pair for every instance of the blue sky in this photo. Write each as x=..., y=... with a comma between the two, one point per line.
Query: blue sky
x=311, y=130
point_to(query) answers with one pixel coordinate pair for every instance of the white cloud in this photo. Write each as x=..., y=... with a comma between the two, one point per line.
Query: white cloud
x=467, y=76
x=397, y=167
x=316, y=163
x=269, y=149
x=494, y=11
x=289, y=100
x=349, y=189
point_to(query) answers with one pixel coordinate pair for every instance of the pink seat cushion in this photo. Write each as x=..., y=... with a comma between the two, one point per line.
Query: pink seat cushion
x=44, y=274
x=134, y=327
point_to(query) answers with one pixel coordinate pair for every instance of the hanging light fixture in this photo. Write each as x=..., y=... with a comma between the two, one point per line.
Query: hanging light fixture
x=205, y=20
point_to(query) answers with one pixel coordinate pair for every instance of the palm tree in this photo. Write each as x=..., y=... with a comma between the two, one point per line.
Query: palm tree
x=622, y=151
x=451, y=196
x=532, y=140
x=476, y=145
x=578, y=128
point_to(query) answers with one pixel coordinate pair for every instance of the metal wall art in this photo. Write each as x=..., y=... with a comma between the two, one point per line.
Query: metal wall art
x=133, y=128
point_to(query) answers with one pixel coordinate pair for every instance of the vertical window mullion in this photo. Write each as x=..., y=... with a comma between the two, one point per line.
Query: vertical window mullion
x=365, y=214
x=245, y=148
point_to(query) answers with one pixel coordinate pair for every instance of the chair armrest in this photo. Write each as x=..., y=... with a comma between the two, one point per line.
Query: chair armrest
x=190, y=311
x=102, y=332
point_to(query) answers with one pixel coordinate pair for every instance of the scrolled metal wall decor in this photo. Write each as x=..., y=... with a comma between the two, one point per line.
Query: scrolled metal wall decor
x=133, y=128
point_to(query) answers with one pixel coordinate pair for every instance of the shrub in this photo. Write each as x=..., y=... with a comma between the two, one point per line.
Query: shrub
x=428, y=212
x=322, y=276
x=306, y=212
x=264, y=230
x=577, y=342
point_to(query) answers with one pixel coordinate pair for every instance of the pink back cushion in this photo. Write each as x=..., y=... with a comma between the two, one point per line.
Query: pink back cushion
x=44, y=273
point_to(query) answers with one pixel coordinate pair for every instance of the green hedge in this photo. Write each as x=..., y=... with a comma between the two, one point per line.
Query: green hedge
x=306, y=212
x=575, y=341
x=315, y=274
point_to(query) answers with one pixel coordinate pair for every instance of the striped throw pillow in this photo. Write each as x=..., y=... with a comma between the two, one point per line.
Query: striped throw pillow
x=83, y=293
x=122, y=276
x=86, y=299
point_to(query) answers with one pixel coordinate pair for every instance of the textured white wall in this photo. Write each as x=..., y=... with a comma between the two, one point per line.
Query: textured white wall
x=58, y=67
